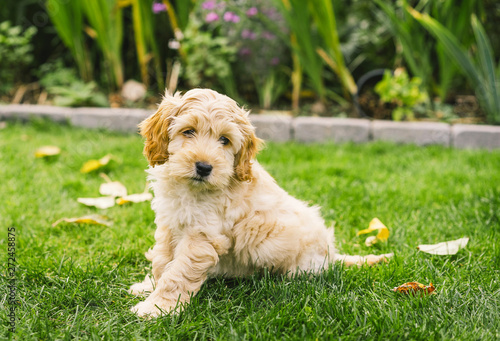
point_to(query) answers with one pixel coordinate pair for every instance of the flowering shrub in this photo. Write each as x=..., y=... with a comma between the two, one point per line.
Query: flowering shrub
x=252, y=30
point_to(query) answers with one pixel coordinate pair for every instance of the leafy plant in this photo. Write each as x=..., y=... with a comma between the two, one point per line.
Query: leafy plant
x=303, y=43
x=480, y=69
x=68, y=90
x=208, y=59
x=418, y=51
x=399, y=89
x=106, y=21
x=67, y=17
x=15, y=53
x=324, y=17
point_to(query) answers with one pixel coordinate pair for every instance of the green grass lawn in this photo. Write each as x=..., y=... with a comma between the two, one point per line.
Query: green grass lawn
x=72, y=279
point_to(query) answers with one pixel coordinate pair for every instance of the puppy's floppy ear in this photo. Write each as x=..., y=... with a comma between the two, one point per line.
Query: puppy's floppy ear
x=155, y=130
x=248, y=151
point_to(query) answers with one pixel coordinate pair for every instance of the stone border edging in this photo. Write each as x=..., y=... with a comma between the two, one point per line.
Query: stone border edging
x=284, y=128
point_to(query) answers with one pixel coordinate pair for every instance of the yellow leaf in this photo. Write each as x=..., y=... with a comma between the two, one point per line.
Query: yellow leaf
x=134, y=198
x=375, y=225
x=47, y=151
x=445, y=248
x=101, y=202
x=92, y=165
x=88, y=219
x=114, y=189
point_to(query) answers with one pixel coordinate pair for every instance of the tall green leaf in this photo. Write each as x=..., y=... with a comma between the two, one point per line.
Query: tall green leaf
x=105, y=18
x=67, y=17
x=324, y=17
x=481, y=73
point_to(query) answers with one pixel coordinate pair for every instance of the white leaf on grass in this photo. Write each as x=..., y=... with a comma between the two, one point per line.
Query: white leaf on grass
x=95, y=219
x=102, y=202
x=47, y=151
x=139, y=197
x=114, y=189
x=445, y=248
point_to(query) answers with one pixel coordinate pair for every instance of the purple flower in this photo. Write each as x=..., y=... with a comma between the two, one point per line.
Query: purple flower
x=211, y=17
x=159, y=7
x=231, y=17
x=268, y=35
x=247, y=34
x=252, y=11
x=210, y=4
x=275, y=61
x=245, y=51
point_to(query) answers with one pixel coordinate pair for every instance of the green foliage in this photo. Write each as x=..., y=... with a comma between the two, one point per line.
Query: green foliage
x=67, y=17
x=68, y=90
x=208, y=59
x=16, y=53
x=425, y=58
x=480, y=69
x=106, y=20
x=399, y=89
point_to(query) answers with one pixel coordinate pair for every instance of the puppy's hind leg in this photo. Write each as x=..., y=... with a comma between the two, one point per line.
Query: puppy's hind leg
x=360, y=260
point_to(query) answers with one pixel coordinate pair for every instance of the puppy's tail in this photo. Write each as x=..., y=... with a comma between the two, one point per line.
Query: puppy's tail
x=360, y=260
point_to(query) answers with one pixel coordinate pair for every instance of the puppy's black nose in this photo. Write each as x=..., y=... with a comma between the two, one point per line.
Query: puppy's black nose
x=203, y=169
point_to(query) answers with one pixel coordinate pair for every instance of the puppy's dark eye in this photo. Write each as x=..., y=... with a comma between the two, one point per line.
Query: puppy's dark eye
x=188, y=133
x=224, y=140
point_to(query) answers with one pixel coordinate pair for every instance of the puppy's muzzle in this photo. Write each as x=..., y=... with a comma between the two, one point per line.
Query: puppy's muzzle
x=203, y=169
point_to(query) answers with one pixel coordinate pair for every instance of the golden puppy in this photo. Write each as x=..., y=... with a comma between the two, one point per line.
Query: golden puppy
x=218, y=212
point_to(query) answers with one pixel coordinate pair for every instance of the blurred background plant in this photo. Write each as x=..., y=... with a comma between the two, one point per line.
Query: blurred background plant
x=397, y=88
x=16, y=54
x=307, y=56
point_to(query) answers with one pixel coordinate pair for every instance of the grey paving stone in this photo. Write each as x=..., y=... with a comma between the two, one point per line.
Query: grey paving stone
x=321, y=129
x=125, y=120
x=419, y=133
x=25, y=111
x=276, y=128
x=475, y=136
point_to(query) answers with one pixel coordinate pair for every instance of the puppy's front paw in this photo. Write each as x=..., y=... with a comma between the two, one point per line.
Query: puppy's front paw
x=143, y=288
x=154, y=308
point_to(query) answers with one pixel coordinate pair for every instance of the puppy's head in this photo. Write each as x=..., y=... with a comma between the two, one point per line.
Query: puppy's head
x=204, y=138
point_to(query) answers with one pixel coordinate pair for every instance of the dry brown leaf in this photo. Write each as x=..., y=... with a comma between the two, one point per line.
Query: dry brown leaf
x=92, y=165
x=46, y=151
x=101, y=202
x=445, y=248
x=88, y=219
x=139, y=197
x=413, y=288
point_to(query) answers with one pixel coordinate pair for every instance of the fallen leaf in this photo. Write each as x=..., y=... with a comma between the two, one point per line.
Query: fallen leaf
x=92, y=165
x=47, y=151
x=412, y=288
x=375, y=225
x=444, y=248
x=370, y=241
x=140, y=197
x=114, y=189
x=101, y=202
x=3, y=125
x=88, y=219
